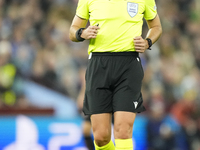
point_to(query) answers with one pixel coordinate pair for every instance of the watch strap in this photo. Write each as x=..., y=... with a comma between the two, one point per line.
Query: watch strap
x=78, y=34
x=149, y=43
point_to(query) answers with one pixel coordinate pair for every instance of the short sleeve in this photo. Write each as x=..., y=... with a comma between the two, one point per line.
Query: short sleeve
x=150, y=9
x=82, y=9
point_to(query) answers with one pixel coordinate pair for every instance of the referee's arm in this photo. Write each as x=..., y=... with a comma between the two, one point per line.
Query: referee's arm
x=88, y=33
x=155, y=29
x=77, y=23
x=154, y=32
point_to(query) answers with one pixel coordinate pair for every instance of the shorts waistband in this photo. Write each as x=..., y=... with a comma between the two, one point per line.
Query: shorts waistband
x=115, y=54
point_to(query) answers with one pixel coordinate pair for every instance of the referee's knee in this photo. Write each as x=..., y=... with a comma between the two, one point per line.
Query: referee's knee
x=123, y=131
x=101, y=138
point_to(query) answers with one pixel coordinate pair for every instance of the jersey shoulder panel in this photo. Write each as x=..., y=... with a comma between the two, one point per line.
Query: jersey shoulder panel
x=150, y=9
x=82, y=9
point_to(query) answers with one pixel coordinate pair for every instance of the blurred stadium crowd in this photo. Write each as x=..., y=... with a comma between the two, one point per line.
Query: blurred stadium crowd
x=34, y=45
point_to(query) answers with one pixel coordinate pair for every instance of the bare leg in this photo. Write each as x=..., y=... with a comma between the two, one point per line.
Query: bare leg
x=123, y=124
x=101, y=126
x=123, y=129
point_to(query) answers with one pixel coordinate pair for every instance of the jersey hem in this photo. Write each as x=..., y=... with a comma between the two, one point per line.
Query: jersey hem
x=151, y=18
x=82, y=17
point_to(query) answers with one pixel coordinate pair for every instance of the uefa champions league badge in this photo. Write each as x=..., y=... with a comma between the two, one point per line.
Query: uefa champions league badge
x=132, y=9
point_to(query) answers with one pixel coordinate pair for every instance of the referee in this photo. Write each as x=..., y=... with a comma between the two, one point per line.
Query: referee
x=114, y=73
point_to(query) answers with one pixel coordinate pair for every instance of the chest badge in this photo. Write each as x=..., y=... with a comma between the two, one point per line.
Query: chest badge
x=132, y=9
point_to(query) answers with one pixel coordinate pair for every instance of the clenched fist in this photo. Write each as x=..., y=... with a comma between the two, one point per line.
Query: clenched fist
x=90, y=32
x=140, y=44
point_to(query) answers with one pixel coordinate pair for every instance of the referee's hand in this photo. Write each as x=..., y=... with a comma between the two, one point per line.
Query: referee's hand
x=140, y=44
x=90, y=32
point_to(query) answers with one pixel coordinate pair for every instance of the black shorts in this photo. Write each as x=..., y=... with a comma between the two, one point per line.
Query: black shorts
x=113, y=83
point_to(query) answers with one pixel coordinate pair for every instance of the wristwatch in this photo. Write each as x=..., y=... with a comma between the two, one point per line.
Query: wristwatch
x=78, y=34
x=149, y=43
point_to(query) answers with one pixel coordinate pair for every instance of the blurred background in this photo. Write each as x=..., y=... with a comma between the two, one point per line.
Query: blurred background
x=42, y=71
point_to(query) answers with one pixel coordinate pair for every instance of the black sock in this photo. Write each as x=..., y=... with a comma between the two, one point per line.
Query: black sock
x=89, y=142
